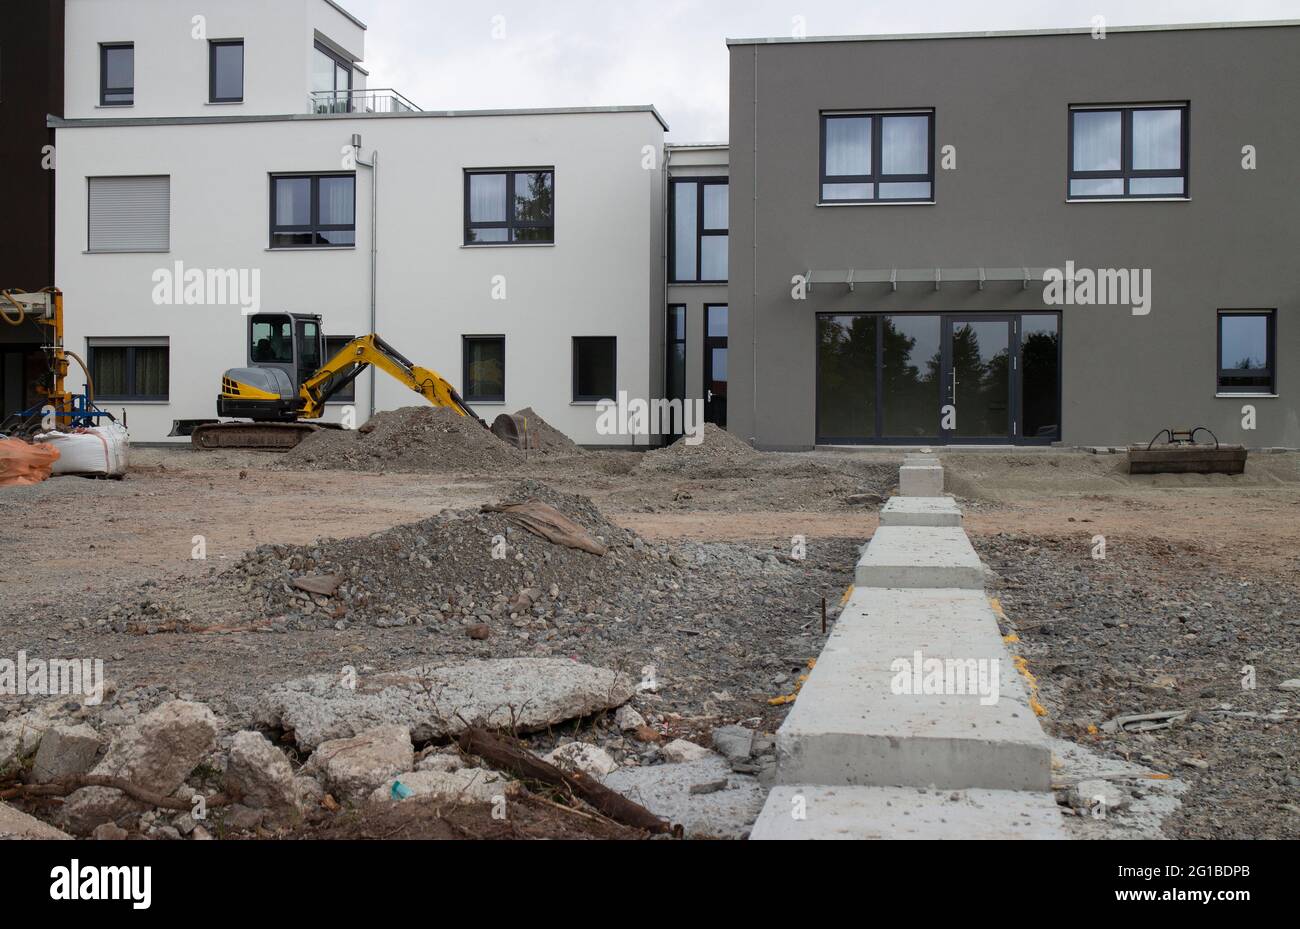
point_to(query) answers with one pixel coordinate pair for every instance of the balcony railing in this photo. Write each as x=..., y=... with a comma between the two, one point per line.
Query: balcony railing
x=368, y=100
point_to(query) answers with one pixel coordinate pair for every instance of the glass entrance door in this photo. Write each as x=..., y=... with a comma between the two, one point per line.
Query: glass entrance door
x=977, y=378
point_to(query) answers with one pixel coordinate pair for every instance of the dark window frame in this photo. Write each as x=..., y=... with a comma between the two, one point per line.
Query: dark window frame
x=880, y=437
x=213, y=45
x=1270, y=371
x=1126, y=171
x=315, y=226
x=350, y=67
x=510, y=224
x=471, y=397
x=104, y=89
x=876, y=178
x=131, y=348
x=700, y=230
x=581, y=398
x=348, y=394
x=670, y=341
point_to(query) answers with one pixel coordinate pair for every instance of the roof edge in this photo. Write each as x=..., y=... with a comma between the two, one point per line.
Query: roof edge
x=355, y=21
x=59, y=122
x=1080, y=30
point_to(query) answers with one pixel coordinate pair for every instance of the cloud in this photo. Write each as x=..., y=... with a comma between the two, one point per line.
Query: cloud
x=444, y=55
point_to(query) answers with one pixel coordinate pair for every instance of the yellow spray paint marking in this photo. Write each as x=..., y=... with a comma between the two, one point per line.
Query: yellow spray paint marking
x=1011, y=639
x=1023, y=667
x=996, y=604
x=798, y=686
x=1160, y=777
x=845, y=599
x=1092, y=730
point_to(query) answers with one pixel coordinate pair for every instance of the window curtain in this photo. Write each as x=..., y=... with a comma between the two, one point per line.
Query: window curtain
x=151, y=371
x=905, y=145
x=1097, y=141
x=109, y=372
x=487, y=198
x=1157, y=140
x=848, y=146
x=336, y=201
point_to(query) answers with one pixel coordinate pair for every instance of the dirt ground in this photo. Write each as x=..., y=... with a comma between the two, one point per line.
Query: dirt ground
x=1200, y=578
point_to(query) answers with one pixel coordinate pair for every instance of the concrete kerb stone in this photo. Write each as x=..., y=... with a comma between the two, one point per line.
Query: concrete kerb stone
x=854, y=725
x=920, y=557
x=820, y=812
x=920, y=480
x=921, y=511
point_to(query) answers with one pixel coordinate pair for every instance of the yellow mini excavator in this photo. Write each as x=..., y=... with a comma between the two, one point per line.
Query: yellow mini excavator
x=288, y=381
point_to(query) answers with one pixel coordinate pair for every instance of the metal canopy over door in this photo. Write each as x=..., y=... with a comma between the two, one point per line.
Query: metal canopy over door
x=978, y=360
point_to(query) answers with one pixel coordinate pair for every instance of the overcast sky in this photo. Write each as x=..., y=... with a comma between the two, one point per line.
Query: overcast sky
x=484, y=54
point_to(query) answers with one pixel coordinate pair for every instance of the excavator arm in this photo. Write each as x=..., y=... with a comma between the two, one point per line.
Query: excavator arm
x=352, y=359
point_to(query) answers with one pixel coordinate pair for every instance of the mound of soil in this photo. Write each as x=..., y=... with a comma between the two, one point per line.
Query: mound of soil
x=545, y=439
x=412, y=439
x=718, y=450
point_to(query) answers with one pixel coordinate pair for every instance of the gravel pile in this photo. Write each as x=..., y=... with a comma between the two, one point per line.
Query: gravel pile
x=545, y=438
x=719, y=450
x=412, y=439
x=1158, y=627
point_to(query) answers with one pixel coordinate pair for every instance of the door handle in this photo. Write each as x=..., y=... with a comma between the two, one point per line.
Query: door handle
x=954, y=385
x=710, y=395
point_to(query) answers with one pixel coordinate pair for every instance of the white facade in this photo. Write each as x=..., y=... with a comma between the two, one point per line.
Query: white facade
x=171, y=53
x=603, y=276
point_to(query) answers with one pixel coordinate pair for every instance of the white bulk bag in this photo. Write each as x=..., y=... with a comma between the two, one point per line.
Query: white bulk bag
x=100, y=451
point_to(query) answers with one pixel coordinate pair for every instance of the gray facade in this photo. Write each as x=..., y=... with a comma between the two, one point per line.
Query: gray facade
x=1003, y=102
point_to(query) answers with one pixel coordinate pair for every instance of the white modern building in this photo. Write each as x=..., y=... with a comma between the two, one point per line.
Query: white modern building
x=211, y=166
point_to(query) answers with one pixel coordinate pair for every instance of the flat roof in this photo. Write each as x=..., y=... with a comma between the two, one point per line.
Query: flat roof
x=59, y=122
x=1081, y=30
x=697, y=145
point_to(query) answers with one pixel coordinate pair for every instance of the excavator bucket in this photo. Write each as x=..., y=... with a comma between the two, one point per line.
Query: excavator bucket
x=514, y=430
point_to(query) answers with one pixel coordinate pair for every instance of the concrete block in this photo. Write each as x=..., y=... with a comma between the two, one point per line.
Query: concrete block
x=65, y=750
x=851, y=725
x=920, y=557
x=907, y=813
x=920, y=480
x=920, y=511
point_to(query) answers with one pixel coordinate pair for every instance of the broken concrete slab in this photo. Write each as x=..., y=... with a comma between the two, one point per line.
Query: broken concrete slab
x=579, y=756
x=680, y=750
x=920, y=557
x=157, y=753
x=323, y=585
x=260, y=775
x=818, y=812
x=860, y=720
x=465, y=785
x=15, y=824
x=353, y=767
x=20, y=737
x=1152, y=797
x=736, y=743
x=920, y=511
x=65, y=750
x=526, y=694
x=920, y=480
x=725, y=810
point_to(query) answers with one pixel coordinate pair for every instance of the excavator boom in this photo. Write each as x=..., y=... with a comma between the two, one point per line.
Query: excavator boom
x=353, y=358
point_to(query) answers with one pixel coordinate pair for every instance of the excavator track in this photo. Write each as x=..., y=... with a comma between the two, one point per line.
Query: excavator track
x=276, y=437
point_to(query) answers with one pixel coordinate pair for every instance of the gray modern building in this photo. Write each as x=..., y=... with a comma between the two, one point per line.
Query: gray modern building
x=1015, y=238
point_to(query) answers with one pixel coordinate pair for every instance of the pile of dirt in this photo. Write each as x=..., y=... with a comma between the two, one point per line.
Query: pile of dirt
x=545, y=439
x=412, y=439
x=462, y=566
x=719, y=450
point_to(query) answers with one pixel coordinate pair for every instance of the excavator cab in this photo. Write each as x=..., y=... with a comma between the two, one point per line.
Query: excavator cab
x=284, y=350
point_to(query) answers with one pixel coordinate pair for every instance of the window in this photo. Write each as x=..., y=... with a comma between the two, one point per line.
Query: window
x=333, y=345
x=1248, y=351
x=1128, y=152
x=510, y=207
x=129, y=369
x=331, y=81
x=675, y=363
x=594, y=376
x=484, y=359
x=226, y=71
x=313, y=210
x=129, y=214
x=117, y=75
x=877, y=157
x=699, y=208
